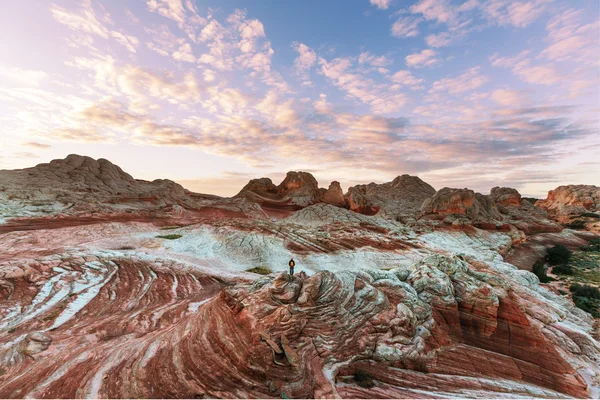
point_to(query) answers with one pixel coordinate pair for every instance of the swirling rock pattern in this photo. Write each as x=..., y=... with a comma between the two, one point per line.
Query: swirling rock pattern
x=155, y=330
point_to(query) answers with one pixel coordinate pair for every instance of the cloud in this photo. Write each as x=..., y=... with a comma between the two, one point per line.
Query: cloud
x=406, y=78
x=368, y=58
x=305, y=61
x=381, y=4
x=87, y=21
x=21, y=76
x=436, y=10
x=469, y=80
x=130, y=42
x=506, y=97
x=439, y=40
x=172, y=9
x=184, y=53
x=380, y=97
x=543, y=74
x=425, y=58
x=405, y=27
x=572, y=40
x=37, y=145
x=517, y=13
x=84, y=21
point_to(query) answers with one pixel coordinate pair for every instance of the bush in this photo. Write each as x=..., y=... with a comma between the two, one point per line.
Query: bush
x=593, y=246
x=364, y=379
x=170, y=237
x=590, y=215
x=540, y=271
x=577, y=224
x=585, y=291
x=262, y=270
x=563, y=269
x=558, y=254
x=587, y=298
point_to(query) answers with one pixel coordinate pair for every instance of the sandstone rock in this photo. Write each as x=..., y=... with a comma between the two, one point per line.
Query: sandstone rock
x=505, y=196
x=334, y=195
x=571, y=200
x=400, y=198
x=462, y=202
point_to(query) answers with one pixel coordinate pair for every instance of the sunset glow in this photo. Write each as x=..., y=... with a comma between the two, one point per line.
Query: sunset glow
x=213, y=93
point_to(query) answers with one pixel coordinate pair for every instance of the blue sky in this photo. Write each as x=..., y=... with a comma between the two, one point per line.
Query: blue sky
x=467, y=93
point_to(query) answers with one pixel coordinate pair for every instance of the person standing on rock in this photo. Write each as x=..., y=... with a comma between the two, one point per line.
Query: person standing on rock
x=291, y=264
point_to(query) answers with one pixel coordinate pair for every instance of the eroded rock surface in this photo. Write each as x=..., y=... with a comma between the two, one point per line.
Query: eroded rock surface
x=116, y=297
x=571, y=200
x=399, y=198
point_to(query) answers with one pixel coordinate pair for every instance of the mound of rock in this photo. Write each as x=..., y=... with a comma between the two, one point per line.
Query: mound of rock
x=77, y=176
x=521, y=214
x=401, y=197
x=571, y=200
x=334, y=195
x=462, y=206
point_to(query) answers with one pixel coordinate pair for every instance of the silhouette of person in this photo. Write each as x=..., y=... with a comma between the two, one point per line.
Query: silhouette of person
x=291, y=264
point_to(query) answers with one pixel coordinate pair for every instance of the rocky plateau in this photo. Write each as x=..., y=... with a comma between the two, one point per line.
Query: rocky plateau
x=113, y=287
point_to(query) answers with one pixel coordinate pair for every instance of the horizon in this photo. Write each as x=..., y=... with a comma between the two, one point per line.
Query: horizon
x=212, y=94
x=189, y=184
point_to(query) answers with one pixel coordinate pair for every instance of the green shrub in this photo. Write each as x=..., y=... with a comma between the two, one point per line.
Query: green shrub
x=165, y=228
x=563, y=269
x=587, y=298
x=262, y=270
x=588, y=305
x=170, y=237
x=363, y=379
x=540, y=271
x=590, y=215
x=585, y=291
x=558, y=254
x=593, y=246
x=577, y=224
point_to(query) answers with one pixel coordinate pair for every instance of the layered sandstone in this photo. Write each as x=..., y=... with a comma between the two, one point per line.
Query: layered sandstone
x=571, y=200
x=399, y=198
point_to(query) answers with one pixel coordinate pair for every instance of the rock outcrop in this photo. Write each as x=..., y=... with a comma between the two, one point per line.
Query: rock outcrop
x=399, y=198
x=300, y=336
x=462, y=206
x=521, y=214
x=571, y=200
x=298, y=189
x=334, y=195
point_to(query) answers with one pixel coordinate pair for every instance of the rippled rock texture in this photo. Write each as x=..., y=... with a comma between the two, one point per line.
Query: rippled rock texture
x=125, y=327
x=122, y=295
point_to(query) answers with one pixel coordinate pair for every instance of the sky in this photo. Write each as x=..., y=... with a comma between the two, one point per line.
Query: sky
x=213, y=93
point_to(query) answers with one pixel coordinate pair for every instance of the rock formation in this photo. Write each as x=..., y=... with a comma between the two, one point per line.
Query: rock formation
x=334, y=195
x=462, y=206
x=401, y=197
x=571, y=200
x=146, y=290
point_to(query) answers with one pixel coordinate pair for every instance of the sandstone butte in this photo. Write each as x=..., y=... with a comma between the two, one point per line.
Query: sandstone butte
x=122, y=288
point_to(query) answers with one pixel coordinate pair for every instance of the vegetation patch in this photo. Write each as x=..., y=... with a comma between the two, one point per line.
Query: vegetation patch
x=261, y=269
x=539, y=269
x=587, y=298
x=166, y=228
x=170, y=237
x=593, y=246
x=590, y=215
x=577, y=224
x=558, y=254
x=563, y=269
x=363, y=379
